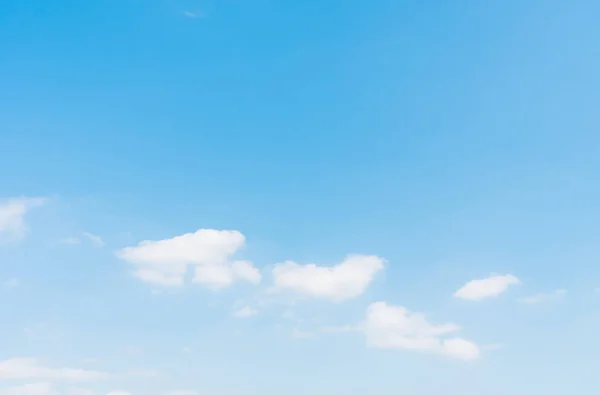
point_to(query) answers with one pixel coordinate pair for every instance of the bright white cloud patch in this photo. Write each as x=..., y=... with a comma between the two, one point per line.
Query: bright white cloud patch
x=12, y=217
x=31, y=369
x=387, y=326
x=485, y=288
x=207, y=251
x=346, y=280
x=544, y=297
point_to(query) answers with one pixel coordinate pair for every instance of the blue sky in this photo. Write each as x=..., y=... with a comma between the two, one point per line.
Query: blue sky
x=339, y=197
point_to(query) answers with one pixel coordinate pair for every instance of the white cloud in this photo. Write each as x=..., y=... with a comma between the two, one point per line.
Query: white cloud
x=485, y=288
x=207, y=251
x=30, y=368
x=12, y=216
x=28, y=389
x=544, y=297
x=346, y=280
x=94, y=239
x=395, y=327
x=245, y=312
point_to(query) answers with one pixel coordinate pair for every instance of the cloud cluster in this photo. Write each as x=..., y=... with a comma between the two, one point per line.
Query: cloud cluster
x=207, y=257
x=395, y=327
x=207, y=251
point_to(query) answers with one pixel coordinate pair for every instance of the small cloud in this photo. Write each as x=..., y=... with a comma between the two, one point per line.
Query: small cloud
x=485, y=288
x=346, y=280
x=245, y=312
x=12, y=216
x=395, y=327
x=96, y=240
x=544, y=297
x=11, y=283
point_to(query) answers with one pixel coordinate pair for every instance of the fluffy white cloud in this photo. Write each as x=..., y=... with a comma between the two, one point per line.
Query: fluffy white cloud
x=485, y=288
x=30, y=368
x=544, y=297
x=395, y=327
x=245, y=312
x=12, y=216
x=208, y=251
x=28, y=389
x=346, y=280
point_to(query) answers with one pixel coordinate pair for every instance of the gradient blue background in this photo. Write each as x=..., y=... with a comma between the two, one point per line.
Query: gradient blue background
x=454, y=139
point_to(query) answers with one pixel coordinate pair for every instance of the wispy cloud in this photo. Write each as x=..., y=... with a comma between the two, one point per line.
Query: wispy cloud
x=194, y=14
x=31, y=368
x=95, y=240
x=544, y=297
x=12, y=216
